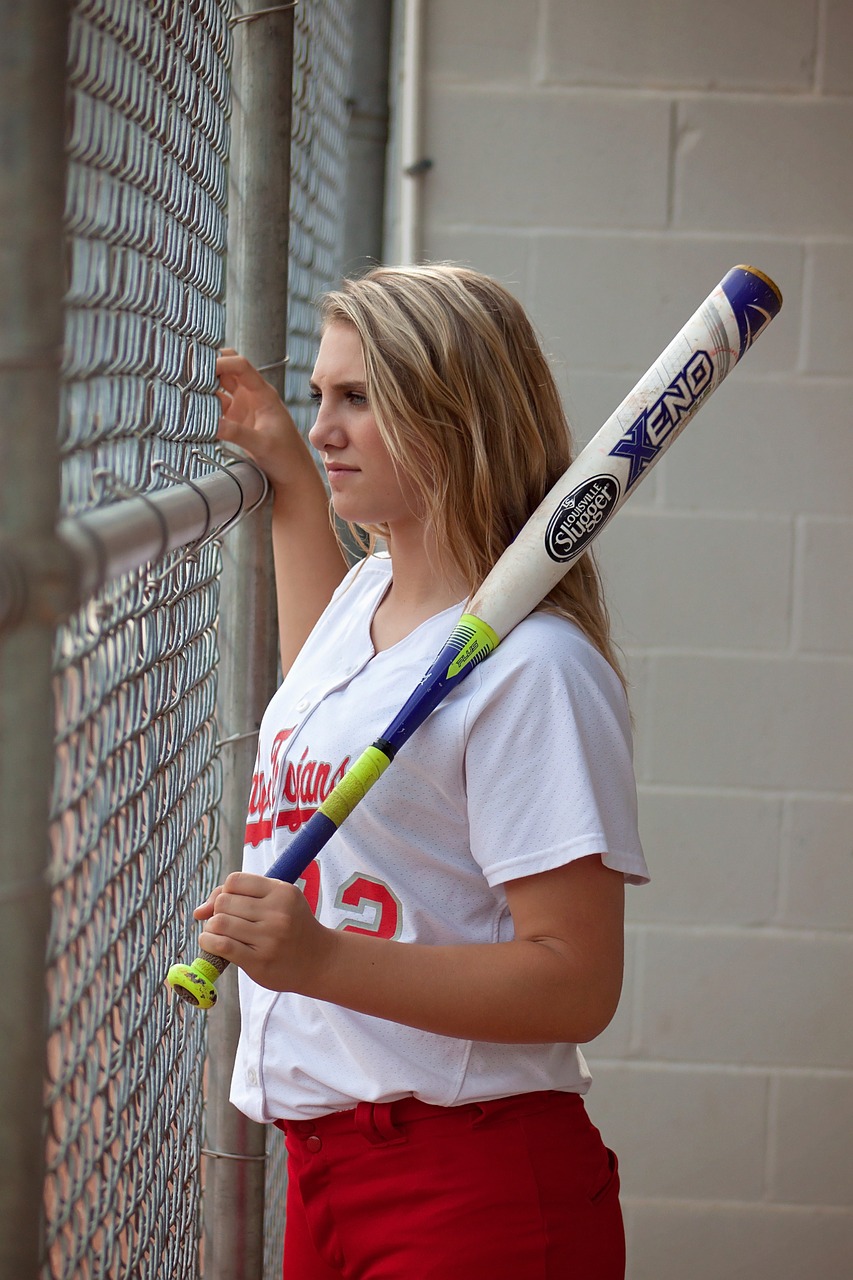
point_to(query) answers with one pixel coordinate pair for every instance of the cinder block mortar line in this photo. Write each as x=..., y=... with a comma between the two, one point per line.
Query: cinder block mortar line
x=798, y=585
x=821, y=20
x=778, y=377
x=640, y=699
x=539, y=57
x=771, y=1128
x=654, y=1065
x=783, y=862
x=728, y=516
x=747, y=1207
x=578, y=231
x=806, y=313
x=740, y=793
x=811, y=657
x=637, y=933
x=722, y=931
x=672, y=166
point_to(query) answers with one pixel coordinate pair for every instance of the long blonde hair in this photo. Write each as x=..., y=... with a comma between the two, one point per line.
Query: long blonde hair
x=466, y=403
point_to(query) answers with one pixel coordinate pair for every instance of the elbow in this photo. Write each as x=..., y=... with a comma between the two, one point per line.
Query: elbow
x=594, y=1021
x=586, y=1005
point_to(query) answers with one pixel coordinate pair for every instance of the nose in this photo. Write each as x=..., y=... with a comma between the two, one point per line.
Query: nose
x=327, y=431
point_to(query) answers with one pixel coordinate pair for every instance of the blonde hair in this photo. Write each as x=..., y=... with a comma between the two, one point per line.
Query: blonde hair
x=466, y=403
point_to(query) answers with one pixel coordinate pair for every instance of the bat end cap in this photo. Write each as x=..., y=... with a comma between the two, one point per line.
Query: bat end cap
x=192, y=986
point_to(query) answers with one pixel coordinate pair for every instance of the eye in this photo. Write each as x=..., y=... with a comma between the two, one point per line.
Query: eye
x=356, y=398
x=314, y=396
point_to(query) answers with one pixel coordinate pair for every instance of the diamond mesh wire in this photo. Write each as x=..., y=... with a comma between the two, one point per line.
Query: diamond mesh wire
x=136, y=786
x=322, y=44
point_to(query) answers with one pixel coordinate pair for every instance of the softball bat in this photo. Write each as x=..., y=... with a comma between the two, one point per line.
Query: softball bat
x=570, y=517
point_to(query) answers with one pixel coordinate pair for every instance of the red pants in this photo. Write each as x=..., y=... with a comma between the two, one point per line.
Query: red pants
x=517, y=1189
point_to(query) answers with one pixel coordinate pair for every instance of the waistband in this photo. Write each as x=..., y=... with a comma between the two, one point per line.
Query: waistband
x=384, y=1121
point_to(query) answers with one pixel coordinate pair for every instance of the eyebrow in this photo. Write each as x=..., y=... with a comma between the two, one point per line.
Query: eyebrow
x=359, y=387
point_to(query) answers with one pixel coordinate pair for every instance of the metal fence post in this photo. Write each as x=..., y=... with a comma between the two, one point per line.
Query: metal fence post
x=257, y=326
x=32, y=169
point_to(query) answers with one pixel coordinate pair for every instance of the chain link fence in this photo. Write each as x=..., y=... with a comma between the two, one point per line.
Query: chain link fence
x=322, y=45
x=136, y=784
x=134, y=818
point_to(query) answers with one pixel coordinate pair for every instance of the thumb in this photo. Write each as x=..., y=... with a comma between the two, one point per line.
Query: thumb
x=205, y=909
x=234, y=432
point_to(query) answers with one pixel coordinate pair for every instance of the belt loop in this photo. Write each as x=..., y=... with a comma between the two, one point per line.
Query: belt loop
x=374, y=1121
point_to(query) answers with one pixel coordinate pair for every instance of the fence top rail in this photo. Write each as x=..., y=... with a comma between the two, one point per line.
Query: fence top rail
x=97, y=547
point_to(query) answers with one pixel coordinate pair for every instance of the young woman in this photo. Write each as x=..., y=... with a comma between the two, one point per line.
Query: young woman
x=412, y=1010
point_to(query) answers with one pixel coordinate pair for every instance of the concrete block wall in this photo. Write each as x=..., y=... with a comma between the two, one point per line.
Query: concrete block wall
x=611, y=161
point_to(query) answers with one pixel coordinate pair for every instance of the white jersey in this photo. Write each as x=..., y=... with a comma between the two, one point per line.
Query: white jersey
x=524, y=767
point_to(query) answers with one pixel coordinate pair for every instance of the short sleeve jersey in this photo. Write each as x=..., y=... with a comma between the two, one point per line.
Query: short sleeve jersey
x=524, y=767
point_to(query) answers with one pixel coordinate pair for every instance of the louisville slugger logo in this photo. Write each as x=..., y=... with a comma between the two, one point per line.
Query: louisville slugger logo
x=579, y=517
x=650, y=432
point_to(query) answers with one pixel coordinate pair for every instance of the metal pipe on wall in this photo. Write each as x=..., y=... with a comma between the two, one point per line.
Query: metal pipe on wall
x=413, y=163
x=257, y=326
x=367, y=138
x=32, y=184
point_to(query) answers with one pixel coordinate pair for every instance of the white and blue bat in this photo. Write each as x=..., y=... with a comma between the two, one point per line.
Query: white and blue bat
x=573, y=513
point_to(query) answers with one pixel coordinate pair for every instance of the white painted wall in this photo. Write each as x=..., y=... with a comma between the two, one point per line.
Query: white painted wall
x=611, y=159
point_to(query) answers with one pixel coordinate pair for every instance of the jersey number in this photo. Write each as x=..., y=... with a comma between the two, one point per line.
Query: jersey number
x=374, y=908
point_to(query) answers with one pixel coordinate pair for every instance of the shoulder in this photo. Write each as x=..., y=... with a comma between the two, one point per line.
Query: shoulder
x=546, y=642
x=548, y=660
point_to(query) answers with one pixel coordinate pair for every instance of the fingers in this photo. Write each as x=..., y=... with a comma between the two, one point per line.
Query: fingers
x=267, y=928
x=237, y=369
x=206, y=909
x=252, y=914
x=250, y=886
x=239, y=884
x=220, y=933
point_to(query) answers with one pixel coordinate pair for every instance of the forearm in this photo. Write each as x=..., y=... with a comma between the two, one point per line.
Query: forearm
x=558, y=981
x=525, y=991
x=309, y=563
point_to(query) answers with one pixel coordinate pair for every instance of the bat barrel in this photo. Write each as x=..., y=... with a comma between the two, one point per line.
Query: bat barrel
x=754, y=299
x=632, y=440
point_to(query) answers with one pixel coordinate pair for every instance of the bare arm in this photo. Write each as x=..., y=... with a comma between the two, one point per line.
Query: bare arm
x=559, y=980
x=309, y=564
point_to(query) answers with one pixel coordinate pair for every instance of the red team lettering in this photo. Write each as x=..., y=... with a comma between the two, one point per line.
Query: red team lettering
x=306, y=785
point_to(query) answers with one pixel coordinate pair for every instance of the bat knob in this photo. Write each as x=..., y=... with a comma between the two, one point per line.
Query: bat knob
x=193, y=984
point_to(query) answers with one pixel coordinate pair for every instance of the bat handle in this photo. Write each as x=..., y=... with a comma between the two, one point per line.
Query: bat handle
x=194, y=982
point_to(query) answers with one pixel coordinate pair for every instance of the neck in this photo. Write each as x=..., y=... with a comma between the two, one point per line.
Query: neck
x=420, y=579
x=420, y=588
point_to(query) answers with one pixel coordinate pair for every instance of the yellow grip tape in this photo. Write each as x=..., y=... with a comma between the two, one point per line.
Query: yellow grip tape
x=206, y=969
x=355, y=784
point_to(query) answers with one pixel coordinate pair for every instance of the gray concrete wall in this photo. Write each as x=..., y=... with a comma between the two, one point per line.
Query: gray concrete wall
x=611, y=160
